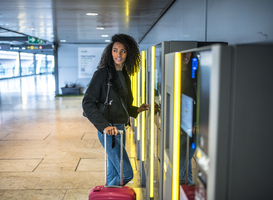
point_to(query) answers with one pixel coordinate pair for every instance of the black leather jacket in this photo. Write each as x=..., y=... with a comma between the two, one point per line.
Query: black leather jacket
x=95, y=95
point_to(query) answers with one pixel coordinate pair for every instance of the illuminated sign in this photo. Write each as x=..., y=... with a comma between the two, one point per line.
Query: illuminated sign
x=33, y=40
x=194, y=66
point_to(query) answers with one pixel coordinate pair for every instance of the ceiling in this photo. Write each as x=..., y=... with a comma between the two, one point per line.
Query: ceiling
x=56, y=21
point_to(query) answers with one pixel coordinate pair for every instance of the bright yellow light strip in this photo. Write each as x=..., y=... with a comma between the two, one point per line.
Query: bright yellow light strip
x=127, y=8
x=133, y=86
x=176, y=125
x=143, y=101
x=152, y=121
x=135, y=92
x=138, y=104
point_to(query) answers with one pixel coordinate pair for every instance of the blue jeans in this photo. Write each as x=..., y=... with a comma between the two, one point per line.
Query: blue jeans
x=113, y=176
x=182, y=170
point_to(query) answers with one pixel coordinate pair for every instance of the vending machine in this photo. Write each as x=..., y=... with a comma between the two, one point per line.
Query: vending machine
x=234, y=145
x=155, y=72
x=182, y=66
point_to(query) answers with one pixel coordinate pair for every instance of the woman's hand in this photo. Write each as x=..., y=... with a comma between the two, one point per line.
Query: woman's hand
x=111, y=130
x=194, y=129
x=143, y=107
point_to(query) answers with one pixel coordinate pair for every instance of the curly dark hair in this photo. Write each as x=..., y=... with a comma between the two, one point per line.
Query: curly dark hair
x=132, y=62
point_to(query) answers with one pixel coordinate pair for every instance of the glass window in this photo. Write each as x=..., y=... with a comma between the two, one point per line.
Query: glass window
x=41, y=66
x=27, y=64
x=9, y=64
x=50, y=64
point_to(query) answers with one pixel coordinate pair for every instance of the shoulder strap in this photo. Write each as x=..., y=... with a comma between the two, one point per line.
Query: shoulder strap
x=108, y=88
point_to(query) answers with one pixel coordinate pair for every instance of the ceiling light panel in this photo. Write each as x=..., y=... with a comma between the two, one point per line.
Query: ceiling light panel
x=92, y=14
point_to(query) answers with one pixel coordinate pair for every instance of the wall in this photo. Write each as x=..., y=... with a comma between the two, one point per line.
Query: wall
x=232, y=21
x=68, y=65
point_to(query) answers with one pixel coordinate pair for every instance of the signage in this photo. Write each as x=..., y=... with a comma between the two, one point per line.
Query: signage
x=33, y=40
x=4, y=46
x=88, y=61
x=32, y=47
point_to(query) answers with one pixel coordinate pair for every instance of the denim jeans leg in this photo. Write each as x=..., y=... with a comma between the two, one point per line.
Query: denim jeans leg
x=113, y=177
x=182, y=170
x=191, y=153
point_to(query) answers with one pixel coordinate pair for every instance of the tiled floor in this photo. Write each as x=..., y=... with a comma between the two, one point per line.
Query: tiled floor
x=48, y=150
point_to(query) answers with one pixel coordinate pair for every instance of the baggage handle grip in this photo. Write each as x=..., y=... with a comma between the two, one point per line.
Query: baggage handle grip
x=121, y=159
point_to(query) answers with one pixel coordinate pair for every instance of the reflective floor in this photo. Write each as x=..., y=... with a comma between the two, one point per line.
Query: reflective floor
x=48, y=150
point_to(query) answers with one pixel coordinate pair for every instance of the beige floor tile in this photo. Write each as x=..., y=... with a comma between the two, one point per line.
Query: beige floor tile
x=133, y=163
x=26, y=136
x=79, y=194
x=66, y=136
x=70, y=180
x=39, y=153
x=141, y=193
x=135, y=182
x=26, y=165
x=28, y=144
x=131, y=151
x=33, y=194
x=90, y=135
x=91, y=165
x=58, y=164
x=24, y=180
x=97, y=144
x=7, y=152
x=86, y=152
x=68, y=144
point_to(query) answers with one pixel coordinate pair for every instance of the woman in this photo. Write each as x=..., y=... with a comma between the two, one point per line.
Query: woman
x=120, y=59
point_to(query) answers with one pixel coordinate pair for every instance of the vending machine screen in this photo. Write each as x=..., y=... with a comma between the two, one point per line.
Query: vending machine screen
x=186, y=114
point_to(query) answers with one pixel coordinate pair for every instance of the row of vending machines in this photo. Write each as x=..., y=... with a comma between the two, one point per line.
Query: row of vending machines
x=207, y=134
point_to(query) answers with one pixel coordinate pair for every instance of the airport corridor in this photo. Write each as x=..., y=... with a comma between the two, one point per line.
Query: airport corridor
x=48, y=150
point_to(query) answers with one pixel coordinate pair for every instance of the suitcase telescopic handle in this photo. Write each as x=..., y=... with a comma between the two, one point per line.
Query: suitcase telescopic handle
x=106, y=159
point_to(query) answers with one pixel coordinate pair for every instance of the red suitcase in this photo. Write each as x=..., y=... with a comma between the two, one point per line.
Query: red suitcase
x=113, y=192
x=187, y=192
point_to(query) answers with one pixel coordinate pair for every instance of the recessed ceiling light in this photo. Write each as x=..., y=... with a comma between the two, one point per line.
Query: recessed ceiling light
x=100, y=28
x=92, y=14
x=104, y=35
x=107, y=41
x=63, y=40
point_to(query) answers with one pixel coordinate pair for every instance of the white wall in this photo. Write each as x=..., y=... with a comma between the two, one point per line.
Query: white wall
x=232, y=21
x=68, y=64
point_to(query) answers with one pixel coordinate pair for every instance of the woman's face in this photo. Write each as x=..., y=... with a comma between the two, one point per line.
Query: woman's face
x=186, y=57
x=119, y=54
